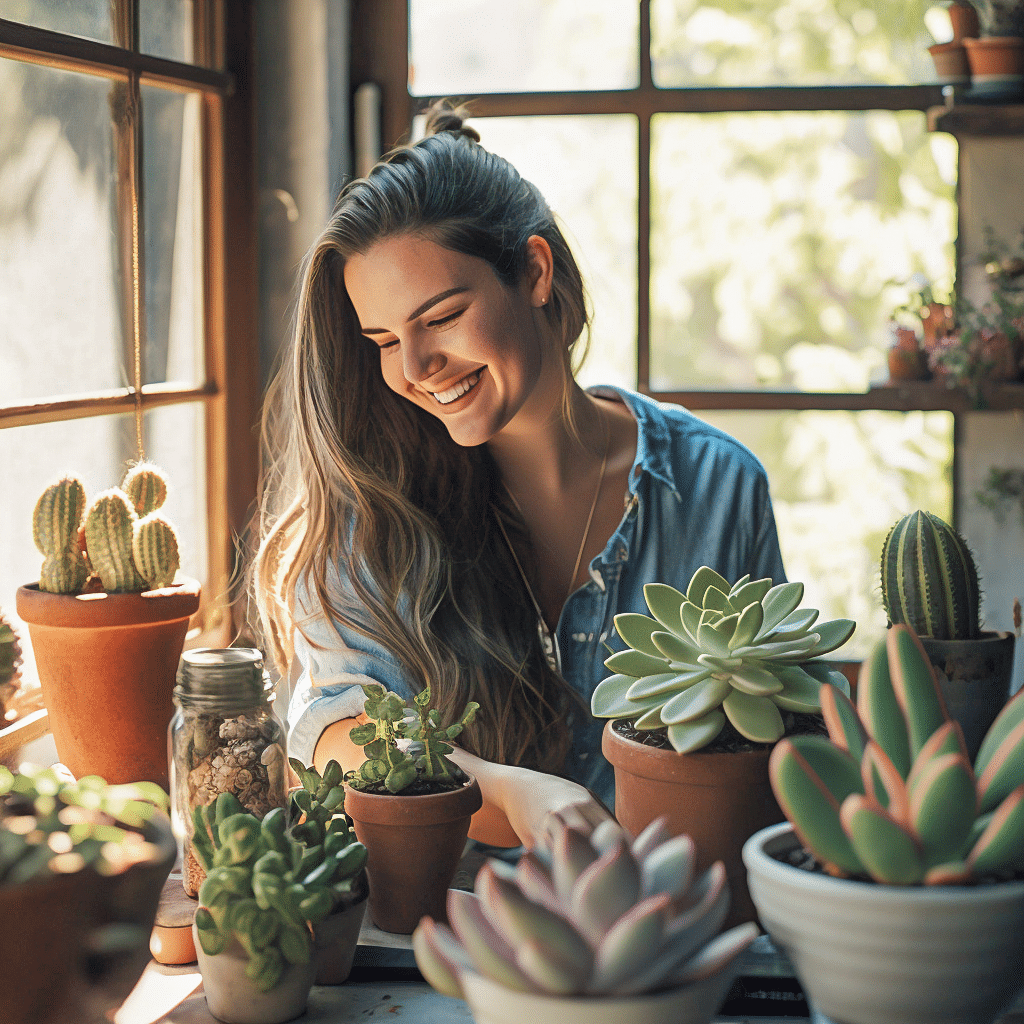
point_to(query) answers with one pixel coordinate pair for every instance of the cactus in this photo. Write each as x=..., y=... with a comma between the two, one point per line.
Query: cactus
x=50, y=826
x=10, y=662
x=742, y=652
x=55, y=522
x=891, y=794
x=109, y=526
x=392, y=720
x=155, y=550
x=929, y=580
x=146, y=487
x=589, y=911
x=267, y=887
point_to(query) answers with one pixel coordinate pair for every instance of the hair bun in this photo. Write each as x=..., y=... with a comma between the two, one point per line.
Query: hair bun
x=444, y=116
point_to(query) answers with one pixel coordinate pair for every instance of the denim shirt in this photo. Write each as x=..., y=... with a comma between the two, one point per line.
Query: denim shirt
x=696, y=496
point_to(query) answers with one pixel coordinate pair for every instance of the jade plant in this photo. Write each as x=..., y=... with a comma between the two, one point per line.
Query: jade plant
x=392, y=768
x=588, y=911
x=51, y=825
x=891, y=794
x=269, y=882
x=121, y=539
x=929, y=579
x=743, y=652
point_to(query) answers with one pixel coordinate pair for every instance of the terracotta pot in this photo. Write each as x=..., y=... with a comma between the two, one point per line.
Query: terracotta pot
x=106, y=665
x=890, y=954
x=964, y=19
x=235, y=999
x=492, y=1003
x=904, y=365
x=997, y=64
x=54, y=927
x=719, y=800
x=334, y=942
x=974, y=676
x=950, y=60
x=413, y=844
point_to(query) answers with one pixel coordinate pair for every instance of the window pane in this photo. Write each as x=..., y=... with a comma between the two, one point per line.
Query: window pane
x=839, y=480
x=98, y=450
x=585, y=167
x=470, y=46
x=87, y=18
x=60, y=330
x=165, y=29
x=794, y=42
x=173, y=233
x=779, y=243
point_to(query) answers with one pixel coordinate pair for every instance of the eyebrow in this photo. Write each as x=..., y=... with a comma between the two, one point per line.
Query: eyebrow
x=420, y=309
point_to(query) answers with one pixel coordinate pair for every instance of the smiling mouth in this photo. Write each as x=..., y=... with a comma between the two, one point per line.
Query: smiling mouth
x=465, y=385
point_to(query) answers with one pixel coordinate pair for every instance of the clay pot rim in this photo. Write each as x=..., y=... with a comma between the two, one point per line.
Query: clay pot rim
x=993, y=42
x=951, y=44
x=423, y=808
x=986, y=636
x=658, y=764
x=88, y=611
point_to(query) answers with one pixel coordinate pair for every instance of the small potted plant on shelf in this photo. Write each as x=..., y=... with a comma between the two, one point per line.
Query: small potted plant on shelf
x=591, y=925
x=996, y=59
x=10, y=664
x=81, y=869
x=698, y=699
x=410, y=807
x=107, y=621
x=930, y=584
x=897, y=890
x=269, y=885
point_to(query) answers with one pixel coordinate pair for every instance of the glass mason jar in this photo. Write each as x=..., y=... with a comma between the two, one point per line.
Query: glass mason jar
x=224, y=738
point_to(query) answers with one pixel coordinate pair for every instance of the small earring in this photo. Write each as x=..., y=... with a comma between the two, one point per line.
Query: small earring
x=544, y=301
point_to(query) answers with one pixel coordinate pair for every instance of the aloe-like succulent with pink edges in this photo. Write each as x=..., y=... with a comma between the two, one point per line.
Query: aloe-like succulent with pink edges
x=891, y=794
x=588, y=911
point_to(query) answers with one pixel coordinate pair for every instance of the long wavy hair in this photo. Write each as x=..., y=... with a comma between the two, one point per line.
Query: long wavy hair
x=360, y=478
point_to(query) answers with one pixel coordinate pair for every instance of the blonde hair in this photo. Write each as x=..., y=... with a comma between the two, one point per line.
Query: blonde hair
x=360, y=479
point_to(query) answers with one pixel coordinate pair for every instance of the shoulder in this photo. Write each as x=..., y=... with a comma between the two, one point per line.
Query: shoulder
x=680, y=448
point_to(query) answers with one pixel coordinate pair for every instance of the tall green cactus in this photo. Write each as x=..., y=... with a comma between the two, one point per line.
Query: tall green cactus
x=146, y=486
x=109, y=527
x=929, y=580
x=155, y=550
x=55, y=522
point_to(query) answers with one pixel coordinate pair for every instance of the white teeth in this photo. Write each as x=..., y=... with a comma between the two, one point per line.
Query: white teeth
x=446, y=397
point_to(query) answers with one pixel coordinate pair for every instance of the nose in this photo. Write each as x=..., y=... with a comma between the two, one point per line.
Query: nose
x=421, y=359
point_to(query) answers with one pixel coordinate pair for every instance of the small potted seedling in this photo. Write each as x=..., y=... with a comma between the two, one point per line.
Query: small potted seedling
x=411, y=807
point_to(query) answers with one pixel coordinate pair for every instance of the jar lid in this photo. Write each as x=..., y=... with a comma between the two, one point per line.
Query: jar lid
x=235, y=673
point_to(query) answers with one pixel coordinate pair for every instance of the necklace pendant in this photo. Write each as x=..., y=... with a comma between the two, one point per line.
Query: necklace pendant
x=549, y=645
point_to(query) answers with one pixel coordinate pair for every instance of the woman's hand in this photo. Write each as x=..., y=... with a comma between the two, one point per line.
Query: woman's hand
x=526, y=797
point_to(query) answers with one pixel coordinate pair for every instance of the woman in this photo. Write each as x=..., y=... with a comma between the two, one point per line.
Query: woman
x=455, y=510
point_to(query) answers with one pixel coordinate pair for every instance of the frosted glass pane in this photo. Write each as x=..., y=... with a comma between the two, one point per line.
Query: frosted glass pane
x=794, y=42
x=87, y=18
x=781, y=243
x=585, y=167
x=165, y=29
x=839, y=480
x=470, y=46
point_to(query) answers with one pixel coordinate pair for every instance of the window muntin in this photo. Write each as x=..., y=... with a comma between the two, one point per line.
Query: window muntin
x=90, y=19
x=477, y=46
x=780, y=243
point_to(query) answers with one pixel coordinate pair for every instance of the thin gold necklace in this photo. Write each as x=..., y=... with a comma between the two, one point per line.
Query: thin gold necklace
x=583, y=542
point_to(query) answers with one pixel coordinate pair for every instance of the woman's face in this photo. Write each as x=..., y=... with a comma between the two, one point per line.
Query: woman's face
x=453, y=339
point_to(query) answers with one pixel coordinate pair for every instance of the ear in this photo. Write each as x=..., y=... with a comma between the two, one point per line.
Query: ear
x=539, y=272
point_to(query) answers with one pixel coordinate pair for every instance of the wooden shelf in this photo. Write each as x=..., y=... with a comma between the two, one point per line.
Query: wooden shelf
x=978, y=119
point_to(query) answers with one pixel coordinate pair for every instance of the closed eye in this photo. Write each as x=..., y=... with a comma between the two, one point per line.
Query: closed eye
x=442, y=321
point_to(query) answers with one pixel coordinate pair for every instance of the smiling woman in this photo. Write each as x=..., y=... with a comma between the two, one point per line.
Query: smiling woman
x=447, y=507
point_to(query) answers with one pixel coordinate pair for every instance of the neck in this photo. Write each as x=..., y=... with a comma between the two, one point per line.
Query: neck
x=542, y=453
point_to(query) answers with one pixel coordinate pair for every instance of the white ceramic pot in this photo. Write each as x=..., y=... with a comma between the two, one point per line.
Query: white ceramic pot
x=882, y=954
x=492, y=1003
x=231, y=997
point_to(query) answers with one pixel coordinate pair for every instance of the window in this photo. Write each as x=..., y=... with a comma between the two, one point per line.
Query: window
x=750, y=188
x=119, y=124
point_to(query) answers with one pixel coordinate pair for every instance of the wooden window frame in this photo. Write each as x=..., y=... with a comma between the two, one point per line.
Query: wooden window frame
x=221, y=75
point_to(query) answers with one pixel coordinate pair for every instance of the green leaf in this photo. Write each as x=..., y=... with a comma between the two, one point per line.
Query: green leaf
x=686, y=737
x=943, y=806
x=795, y=624
x=757, y=718
x=717, y=600
x=832, y=634
x=636, y=630
x=635, y=663
x=670, y=646
x=880, y=712
x=363, y=733
x=883, y=846
x=753, y=679
x=915, y=687
x=712, y=642
x=399, y=777
x=749, y=593
x=665, y=602
x=1004, y=771
x=691, y=616
x=779, y=602
x=703, y=578
x=1006, y=721
x=664, y=683
x=650, y=720
x=770, y=651
x=748, y=625
x=609, y=699
x=1001, y=844
x=801, y=692
x=695, y=701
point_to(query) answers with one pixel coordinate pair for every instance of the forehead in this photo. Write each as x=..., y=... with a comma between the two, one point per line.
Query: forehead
x=405, y=270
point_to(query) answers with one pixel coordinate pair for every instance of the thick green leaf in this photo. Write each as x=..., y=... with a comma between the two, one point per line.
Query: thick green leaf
x=1001, y=845
x=749, y=593
x=832, y=634
x=664, y=683
x=670, y=646
x=609, y=699
x=440, y=957
x=943, y=808
x=695, y=701
x=650, y=719
x=757, y=718
x=844, y=725
x=779, y=602
x=885, y=848
x=755, y=680
x=686, y=737
x=748, y=625
x=800, y=692
x=635, y=663
x=915, y=686
x=605, y=891
x=1004, y=771
x=712, y=642
x=795, y=649
x=636, y=630
x=879, y=710
x=487, y=946
x=1006, y=721
x=664, y=602
x=701, y=580
x=691, y=615
x=795, y=624
x=626, y=947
